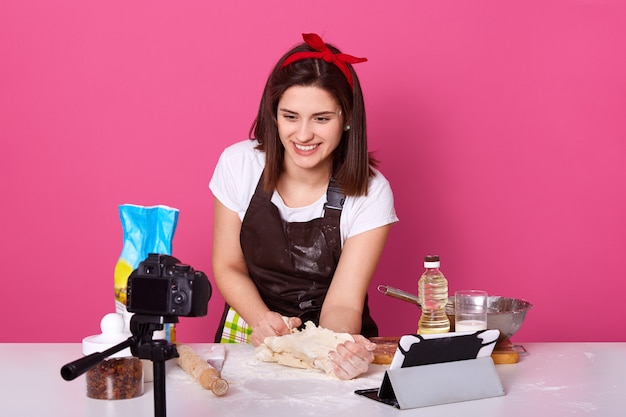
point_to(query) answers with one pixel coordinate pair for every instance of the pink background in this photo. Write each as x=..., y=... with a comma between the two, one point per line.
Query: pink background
x=501, y=126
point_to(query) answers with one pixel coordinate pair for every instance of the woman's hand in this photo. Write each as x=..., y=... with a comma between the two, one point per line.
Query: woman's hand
x=352, y=358
x=273, y=324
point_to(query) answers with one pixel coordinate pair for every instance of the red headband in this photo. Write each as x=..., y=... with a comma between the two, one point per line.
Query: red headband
x=315, y=42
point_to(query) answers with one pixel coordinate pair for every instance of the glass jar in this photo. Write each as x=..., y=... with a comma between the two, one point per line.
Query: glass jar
x=119, y=376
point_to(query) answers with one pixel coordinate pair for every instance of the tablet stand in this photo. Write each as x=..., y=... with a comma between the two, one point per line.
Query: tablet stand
x=440, y=383
x=440, y=369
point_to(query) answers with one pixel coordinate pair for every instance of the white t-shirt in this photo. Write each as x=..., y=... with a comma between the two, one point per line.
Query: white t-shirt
x=237, y=174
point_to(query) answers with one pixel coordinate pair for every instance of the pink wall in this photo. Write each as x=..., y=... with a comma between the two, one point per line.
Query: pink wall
x=499, y=124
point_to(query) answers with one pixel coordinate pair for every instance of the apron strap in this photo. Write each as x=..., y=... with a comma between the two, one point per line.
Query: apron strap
x=335, y=198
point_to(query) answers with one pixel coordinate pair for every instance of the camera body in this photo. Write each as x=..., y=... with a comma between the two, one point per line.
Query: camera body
x=163, y=286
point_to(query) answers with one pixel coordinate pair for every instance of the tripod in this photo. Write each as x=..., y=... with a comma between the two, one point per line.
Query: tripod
x=141, y=346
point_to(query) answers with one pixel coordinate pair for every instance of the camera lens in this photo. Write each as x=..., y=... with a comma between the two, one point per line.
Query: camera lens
x=179, y=298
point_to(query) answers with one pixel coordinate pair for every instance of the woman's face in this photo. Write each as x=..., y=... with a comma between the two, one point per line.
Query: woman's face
x=310, y=125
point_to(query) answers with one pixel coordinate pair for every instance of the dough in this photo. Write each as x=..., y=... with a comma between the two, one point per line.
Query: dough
x=307, y=349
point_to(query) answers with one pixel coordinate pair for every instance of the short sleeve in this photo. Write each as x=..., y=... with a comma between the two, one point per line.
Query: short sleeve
x=236, y=175
x=365, y=213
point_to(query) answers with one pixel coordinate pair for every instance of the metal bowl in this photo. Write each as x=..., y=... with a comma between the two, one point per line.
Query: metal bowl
x=505, y=314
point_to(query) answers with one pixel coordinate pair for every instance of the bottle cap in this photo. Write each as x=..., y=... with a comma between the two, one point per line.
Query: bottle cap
x=431, y=261
x=112, y=326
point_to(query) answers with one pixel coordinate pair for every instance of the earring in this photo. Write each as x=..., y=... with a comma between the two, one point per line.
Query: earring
x=346, y=128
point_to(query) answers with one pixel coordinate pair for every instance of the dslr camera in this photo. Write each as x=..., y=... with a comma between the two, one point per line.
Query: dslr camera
x=163, y=286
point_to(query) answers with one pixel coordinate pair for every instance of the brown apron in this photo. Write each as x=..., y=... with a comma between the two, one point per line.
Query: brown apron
x=292, y=264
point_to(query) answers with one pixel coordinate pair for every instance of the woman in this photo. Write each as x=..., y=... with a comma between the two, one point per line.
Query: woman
x=301, y=213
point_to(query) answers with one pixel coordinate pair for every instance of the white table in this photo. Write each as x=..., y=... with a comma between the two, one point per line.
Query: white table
x=552, y=379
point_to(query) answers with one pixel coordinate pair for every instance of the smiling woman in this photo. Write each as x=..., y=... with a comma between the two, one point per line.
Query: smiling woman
x=301, y=212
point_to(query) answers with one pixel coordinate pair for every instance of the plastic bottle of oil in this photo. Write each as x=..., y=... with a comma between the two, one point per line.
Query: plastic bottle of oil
x=432, y=292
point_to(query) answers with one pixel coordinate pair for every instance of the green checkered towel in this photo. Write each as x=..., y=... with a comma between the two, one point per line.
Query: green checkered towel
x=236, y=330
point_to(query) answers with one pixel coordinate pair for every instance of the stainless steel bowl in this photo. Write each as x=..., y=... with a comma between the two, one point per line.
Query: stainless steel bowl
x=505, y=314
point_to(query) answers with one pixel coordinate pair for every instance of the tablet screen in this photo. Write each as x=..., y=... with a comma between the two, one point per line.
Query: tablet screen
x=414, y=350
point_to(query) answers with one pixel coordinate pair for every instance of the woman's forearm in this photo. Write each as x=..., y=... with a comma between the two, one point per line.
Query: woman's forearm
x=341, y=319
x=241, y=294
x=229, y=267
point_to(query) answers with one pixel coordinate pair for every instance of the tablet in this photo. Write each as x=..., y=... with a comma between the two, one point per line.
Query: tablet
x=426, y=349
x=415, y=350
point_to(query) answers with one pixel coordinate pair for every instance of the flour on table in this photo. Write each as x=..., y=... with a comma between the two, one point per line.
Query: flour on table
x=307, y=349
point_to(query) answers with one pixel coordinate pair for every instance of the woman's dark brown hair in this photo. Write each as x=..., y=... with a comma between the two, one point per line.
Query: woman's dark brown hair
x=352, y=163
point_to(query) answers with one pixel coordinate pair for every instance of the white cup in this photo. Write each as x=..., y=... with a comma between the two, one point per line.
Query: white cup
x=470, y=310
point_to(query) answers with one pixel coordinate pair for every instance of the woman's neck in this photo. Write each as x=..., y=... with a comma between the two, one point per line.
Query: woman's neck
x=300, y=188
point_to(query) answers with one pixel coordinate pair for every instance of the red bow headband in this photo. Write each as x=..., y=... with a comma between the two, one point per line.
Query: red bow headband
x=322, y=52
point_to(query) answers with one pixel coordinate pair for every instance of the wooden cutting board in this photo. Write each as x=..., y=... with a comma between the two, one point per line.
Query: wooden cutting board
x=503, y=353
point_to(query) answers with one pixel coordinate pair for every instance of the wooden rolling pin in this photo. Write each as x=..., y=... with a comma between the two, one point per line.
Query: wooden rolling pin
x=206, y=375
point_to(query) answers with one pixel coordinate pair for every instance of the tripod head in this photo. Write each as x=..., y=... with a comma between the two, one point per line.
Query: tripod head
x=142, y=326
x=140, y=343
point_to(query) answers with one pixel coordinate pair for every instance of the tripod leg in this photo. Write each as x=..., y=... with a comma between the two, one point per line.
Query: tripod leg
x=159, y=388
